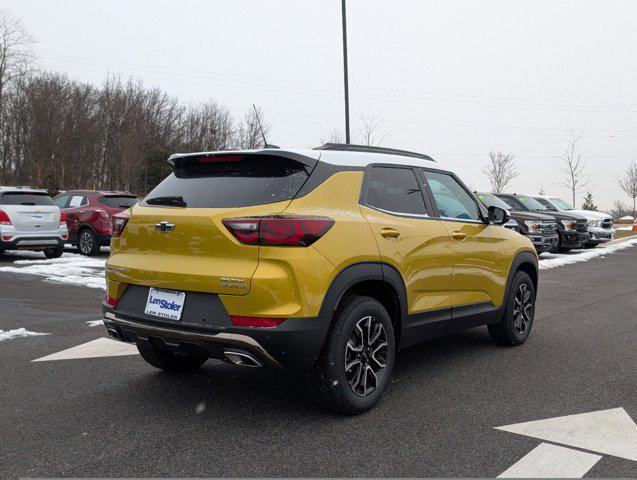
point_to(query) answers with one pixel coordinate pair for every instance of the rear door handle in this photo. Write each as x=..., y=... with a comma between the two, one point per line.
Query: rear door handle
x=459, y=236
x=390, y=233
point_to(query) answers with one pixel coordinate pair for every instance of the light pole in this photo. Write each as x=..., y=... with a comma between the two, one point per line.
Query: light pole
x=345, y=76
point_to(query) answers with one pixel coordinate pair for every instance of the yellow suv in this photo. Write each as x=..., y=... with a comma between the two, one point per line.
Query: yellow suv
x=328, y=260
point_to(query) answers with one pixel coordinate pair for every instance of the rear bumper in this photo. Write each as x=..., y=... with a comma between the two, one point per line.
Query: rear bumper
x=31, y=243
x=295, y=344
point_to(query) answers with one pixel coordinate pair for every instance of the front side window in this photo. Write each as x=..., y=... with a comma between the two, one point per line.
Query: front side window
x=61, y=200
x=77, y=201
x=452, y=199
x=395, y=190
x=531, y=203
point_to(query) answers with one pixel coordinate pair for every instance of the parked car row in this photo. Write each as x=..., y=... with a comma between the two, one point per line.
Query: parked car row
x=31, y=220
x=551, y=223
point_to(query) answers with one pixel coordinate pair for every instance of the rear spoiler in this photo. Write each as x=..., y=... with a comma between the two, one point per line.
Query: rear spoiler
x=178, y=159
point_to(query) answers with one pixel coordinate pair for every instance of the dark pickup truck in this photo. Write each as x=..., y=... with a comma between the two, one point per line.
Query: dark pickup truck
x=572, y=229
x=541, y=229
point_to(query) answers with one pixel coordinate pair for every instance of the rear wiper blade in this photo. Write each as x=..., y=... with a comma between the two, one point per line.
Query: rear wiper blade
x=172, y=201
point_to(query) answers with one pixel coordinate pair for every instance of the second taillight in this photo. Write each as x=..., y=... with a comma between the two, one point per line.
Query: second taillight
x=281, y=231
x=118, y=223
x=62, y=217
x=4, y=218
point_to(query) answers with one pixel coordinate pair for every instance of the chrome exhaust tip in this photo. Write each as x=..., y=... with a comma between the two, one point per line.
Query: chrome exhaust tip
x=242, y=359
x=113, y=333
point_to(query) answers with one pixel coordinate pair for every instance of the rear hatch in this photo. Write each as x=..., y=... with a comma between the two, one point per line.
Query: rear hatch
x=175, y=238
x=31, y=212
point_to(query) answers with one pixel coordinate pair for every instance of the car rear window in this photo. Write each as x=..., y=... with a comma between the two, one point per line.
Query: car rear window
x=237, y=181
x=118, y=201
x=25, y=198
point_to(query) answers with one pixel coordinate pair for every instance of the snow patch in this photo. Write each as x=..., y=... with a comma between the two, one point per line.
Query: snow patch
x=95, y=323
x=18, y=332
x=69, y=268
x=553, y=260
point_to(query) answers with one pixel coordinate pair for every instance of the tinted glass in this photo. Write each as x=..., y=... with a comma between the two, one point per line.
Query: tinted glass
x=491, y=200
x=513, y=203
x=562, y=204
x=531, y=203
x=118, y=201
x=452, y=199
x=61, y=201
x=251, y=180
x=546, y=203
x=395, y=190
x=24, y=198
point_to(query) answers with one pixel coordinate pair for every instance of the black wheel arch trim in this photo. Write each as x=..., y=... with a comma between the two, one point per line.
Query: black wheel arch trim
x=361, y=272
x=520, y=259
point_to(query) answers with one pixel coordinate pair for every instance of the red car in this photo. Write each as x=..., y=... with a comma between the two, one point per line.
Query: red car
x=88, y=216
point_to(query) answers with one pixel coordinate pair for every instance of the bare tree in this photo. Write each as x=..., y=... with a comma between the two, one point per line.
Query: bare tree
x=333, y=136
x=574, y=166
x=619, y=209
x=16, y=60
x=249, y=133
x=372, y=130
x=500, y=171
x=541, y=190
x=629, y=184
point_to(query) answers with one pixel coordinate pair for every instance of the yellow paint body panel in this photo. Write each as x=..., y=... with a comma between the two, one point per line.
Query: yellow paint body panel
x=200, y=254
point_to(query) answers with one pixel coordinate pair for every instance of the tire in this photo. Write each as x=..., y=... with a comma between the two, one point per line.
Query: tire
x=87, y=243
x=169, y=362
x=588, y=246
x=516, y=323
x=54, y=252
x=356, y=390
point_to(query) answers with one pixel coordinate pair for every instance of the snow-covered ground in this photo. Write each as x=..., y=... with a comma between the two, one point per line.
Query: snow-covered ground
x=70, y=268
x=18, y=332
x=553, y=260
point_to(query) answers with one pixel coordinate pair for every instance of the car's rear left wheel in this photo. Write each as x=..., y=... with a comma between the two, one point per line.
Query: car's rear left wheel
x=356, y=364
x=87, y=243
x=168, y=361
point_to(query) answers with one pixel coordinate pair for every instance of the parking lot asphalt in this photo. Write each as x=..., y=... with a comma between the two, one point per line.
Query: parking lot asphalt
x=117, y=416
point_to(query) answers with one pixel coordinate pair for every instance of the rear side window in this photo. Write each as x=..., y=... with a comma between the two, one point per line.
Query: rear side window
x=238, y=181
x=118, y=201
x=395, y=190
x=25, y=198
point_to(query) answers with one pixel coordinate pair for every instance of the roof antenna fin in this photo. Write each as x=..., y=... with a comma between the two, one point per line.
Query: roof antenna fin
x=265, y=142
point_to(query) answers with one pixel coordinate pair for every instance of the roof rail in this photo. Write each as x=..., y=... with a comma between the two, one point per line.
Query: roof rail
x=349, y=147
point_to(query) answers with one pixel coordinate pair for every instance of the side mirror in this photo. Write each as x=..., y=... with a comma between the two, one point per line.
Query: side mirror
x=498, y=216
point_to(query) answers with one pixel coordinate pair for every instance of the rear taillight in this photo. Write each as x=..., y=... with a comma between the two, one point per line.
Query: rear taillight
x=281, y=231
x=4, y=218
x=263, y=322
x=111, y=301
x=62, y=217
x=118, y=223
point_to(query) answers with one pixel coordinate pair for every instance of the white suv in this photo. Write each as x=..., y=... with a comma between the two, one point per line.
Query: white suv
x=29, y=220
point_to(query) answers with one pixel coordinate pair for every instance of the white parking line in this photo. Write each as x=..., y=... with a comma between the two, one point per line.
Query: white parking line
x=552, y=461
x=102, y=347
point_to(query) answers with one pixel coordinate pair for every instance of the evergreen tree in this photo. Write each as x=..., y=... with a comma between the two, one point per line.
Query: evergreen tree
x=589, y=203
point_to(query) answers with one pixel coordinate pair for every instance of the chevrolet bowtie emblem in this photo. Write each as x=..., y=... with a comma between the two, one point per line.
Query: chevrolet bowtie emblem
x=164, y=226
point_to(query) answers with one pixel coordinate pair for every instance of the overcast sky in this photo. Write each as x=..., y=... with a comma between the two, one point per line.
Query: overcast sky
x=454, y=79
